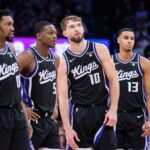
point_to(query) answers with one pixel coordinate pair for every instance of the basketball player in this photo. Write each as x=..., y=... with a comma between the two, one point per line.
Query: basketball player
x=83, y=70
x=13, y=126
x=134, y=76
x=38, y=68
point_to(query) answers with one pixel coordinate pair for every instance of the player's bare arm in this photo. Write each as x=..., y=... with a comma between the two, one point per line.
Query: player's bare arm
x=55, y=111
x=145, y=64
x=62, y=82
x=109, y=69
x=26, y=62
x=30, y=130
x=57, y=61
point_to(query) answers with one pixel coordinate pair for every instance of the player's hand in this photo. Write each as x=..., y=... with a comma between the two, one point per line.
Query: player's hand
x=110, y=118
x=55, y=113
x=31, y=114
x=146, y=129
x=30, y=130
x=71, y=136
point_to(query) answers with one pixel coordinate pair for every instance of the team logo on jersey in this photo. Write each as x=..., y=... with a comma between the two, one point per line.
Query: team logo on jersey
x=133, y=63
x=80, y=71
x=40, y=61
x=117, y=63
x=89, y=53
x=46, y=76
x=72, y=60
x=7, y=70
x=127, y=75
x=10, y=54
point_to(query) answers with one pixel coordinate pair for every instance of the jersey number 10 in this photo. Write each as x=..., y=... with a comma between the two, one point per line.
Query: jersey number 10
x=95, y=78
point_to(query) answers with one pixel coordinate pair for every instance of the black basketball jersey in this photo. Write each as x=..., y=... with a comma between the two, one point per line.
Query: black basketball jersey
x=131, y=83
x=87, y=82
x=39, y=89
x=10, y=86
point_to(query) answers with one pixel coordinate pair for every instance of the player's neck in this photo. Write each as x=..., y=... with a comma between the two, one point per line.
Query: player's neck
x=78, y=47
x=125, y=55
x=42, y=49
x=2, y=45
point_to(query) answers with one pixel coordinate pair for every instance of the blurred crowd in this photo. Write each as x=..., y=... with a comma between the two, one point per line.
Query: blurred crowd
x=136, y=14
x=27, y=13
x=111, y=14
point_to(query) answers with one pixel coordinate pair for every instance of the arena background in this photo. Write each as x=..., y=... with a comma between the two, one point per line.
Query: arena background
x=102, y=18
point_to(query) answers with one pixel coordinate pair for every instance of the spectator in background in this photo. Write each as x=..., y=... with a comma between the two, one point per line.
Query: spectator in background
x=141, y=43
x=147, y=52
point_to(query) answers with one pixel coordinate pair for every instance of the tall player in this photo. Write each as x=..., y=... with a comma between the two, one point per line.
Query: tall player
x=83, y=70
x=13, y=126
x=134, y=76
x=38, y=68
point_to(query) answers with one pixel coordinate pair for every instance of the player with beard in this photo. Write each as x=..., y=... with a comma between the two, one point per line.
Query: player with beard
x=134, y=77
x=82, y=75
x=13, y=125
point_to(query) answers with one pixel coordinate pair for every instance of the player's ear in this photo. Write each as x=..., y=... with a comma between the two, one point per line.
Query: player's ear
x=118, y=40
x=1, y=31
x=64, y=33
x=38, y=36
x=83, y=29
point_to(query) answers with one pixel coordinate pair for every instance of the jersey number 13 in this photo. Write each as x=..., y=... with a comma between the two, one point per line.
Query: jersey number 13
x=133, y=86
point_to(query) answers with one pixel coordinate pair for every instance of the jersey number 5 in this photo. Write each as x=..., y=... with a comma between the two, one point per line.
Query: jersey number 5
x=54, y=88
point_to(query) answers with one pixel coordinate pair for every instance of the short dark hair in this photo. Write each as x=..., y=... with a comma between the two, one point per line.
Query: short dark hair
x=124, y=29
x=4, y=12
x=39, y=26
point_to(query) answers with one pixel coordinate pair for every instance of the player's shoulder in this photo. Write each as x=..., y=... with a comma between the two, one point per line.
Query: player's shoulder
x=57, y=59
x=102, y=51
x=28, y=52
x=100, y=46
x=145, y=63
x=27, y=55
x=144, y=58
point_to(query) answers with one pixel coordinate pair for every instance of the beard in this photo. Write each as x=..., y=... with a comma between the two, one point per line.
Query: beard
x=9, y=38
x=77, y=39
